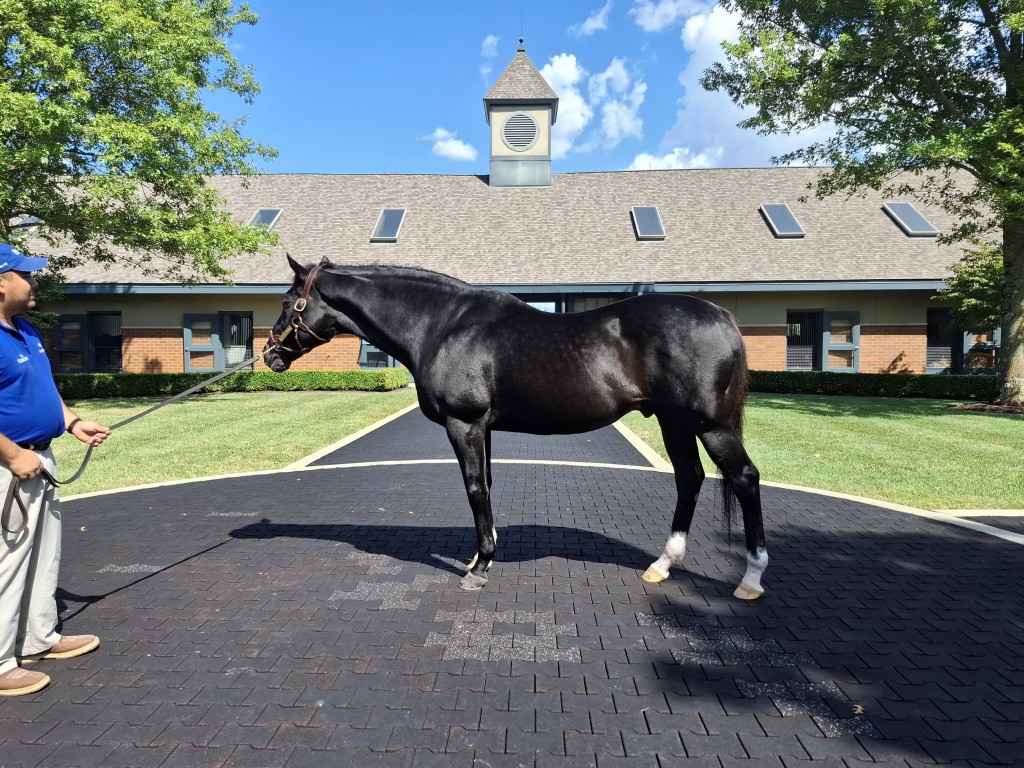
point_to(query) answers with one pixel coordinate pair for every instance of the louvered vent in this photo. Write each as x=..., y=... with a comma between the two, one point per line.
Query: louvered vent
x=519, y=132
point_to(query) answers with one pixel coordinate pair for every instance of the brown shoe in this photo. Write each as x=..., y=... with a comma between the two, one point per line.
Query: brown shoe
x=67, y=647
x=18, y=682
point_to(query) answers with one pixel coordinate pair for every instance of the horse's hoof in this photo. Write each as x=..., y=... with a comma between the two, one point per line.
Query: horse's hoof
x=654, y=576
x=471, y=582
x=743, y=592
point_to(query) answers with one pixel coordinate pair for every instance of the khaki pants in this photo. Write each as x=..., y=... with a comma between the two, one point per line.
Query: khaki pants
x=29, y=562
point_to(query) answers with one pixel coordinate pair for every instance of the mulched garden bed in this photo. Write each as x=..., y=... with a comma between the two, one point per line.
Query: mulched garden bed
x=990, y=408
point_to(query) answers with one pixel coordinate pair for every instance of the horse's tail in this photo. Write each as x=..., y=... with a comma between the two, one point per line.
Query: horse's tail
x=739, y=388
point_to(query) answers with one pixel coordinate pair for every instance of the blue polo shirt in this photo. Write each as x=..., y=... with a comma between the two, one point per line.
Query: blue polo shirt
x=30, y=406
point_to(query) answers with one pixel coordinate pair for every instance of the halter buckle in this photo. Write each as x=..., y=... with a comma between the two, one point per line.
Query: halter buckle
x=300, y=304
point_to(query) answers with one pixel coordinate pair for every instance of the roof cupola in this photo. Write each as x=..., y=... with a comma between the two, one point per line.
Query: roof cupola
x=521, y=108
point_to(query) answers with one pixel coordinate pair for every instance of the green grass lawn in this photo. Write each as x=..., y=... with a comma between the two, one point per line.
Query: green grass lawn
x=914, y=452
x=217, y=434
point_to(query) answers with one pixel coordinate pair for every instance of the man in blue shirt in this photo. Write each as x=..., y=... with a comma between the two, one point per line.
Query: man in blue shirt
x=32, y=414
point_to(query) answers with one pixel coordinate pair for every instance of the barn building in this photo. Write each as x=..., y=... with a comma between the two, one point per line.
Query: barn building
x=840, y=284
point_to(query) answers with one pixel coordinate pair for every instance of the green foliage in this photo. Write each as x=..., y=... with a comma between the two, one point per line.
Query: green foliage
x=80, y=386
x=942, y=387
x=976, y=287
x=49, y=289
x=846, y=66
x=915, y=98
x=105, y=139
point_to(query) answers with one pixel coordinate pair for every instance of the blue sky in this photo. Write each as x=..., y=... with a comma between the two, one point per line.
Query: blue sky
x=390, y=86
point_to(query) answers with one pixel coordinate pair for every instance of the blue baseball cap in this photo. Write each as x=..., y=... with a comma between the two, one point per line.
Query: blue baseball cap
x=13, y=261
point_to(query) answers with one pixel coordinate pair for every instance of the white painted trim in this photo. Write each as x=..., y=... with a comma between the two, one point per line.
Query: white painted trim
x=943, y=517
x=644, y=449
x=981, y=512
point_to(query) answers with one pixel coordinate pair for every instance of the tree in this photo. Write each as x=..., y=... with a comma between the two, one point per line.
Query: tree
x=928, y=87
x=105, y=143
x=975, y=288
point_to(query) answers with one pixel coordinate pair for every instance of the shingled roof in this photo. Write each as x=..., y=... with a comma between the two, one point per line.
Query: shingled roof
x=578, y=231
x=521, y=83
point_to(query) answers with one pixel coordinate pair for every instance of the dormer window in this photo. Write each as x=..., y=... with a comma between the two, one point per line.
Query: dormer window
x=781, y=220
x=265, y=217
x=910, y=220
x=647, y=222
x=389, y=224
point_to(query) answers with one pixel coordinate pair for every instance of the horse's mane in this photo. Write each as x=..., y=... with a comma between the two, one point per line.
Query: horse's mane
x=418, y=273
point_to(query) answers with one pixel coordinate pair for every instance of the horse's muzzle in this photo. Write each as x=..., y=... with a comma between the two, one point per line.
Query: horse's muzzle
x=273, y=359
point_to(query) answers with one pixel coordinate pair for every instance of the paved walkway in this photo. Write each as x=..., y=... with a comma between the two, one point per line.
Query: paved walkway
x=312, y=617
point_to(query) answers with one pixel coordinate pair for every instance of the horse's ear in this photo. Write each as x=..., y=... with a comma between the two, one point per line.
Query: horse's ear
x=296, y=267
x=324, y=261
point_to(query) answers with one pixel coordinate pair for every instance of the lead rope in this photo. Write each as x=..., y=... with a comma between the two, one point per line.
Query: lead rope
x=12, y=489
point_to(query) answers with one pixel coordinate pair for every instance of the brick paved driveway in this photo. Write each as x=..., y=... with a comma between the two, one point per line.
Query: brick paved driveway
x=313, y=618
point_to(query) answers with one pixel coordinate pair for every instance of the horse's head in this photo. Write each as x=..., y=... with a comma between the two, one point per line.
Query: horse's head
x=305, y=323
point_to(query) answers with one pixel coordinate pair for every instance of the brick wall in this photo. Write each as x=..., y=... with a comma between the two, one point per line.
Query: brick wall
x=161, y=350
x=341, y=353
x=893, y=349
x=151, y=350
x=766, y=348
x=883, y=349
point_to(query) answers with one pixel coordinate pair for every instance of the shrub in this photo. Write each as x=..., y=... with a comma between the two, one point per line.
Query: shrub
x=80, y=386
x=983, y=388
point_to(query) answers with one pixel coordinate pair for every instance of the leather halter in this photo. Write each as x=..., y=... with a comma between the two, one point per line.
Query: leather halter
x=297, y=323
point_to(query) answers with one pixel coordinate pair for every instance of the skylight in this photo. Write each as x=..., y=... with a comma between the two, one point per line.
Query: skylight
x=265, y=217
x=910, y=220
x=389, y=224
x=647, y=222
x=781, y=220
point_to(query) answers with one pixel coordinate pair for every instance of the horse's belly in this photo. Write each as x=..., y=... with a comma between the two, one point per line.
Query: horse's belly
x=550, y=426
x=566, y=415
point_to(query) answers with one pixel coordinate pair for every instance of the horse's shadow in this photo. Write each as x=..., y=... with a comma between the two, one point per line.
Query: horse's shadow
x=436, y=545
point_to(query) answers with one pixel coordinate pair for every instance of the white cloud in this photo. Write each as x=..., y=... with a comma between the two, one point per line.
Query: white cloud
x=447, y=146
x=489, y=47
x=656, y=15
x=612, y=93
x=620, y=119
x=705, y=133
x=613, y=80
x=596, y=22
x=488, y=50
x=680, y=157
x=564, y=75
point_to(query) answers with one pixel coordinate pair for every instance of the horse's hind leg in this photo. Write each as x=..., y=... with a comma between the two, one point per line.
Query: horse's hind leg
x=682, y=450
x=726, y=450
x=471, y=443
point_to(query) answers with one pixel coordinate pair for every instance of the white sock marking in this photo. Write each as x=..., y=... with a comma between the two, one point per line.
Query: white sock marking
x=755, y=568
x=675, y=551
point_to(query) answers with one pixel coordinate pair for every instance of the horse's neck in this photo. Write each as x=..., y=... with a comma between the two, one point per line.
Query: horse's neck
x=395, y=311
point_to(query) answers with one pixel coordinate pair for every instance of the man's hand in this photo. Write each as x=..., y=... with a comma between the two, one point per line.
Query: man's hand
x=26, y=465
x=90, y=432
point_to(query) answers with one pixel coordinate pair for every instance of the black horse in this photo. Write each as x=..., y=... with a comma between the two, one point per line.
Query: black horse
x=483, y=360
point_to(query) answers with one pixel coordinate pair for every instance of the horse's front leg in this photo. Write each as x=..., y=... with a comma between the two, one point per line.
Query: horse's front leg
x=681, y=446
x=471, y=443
